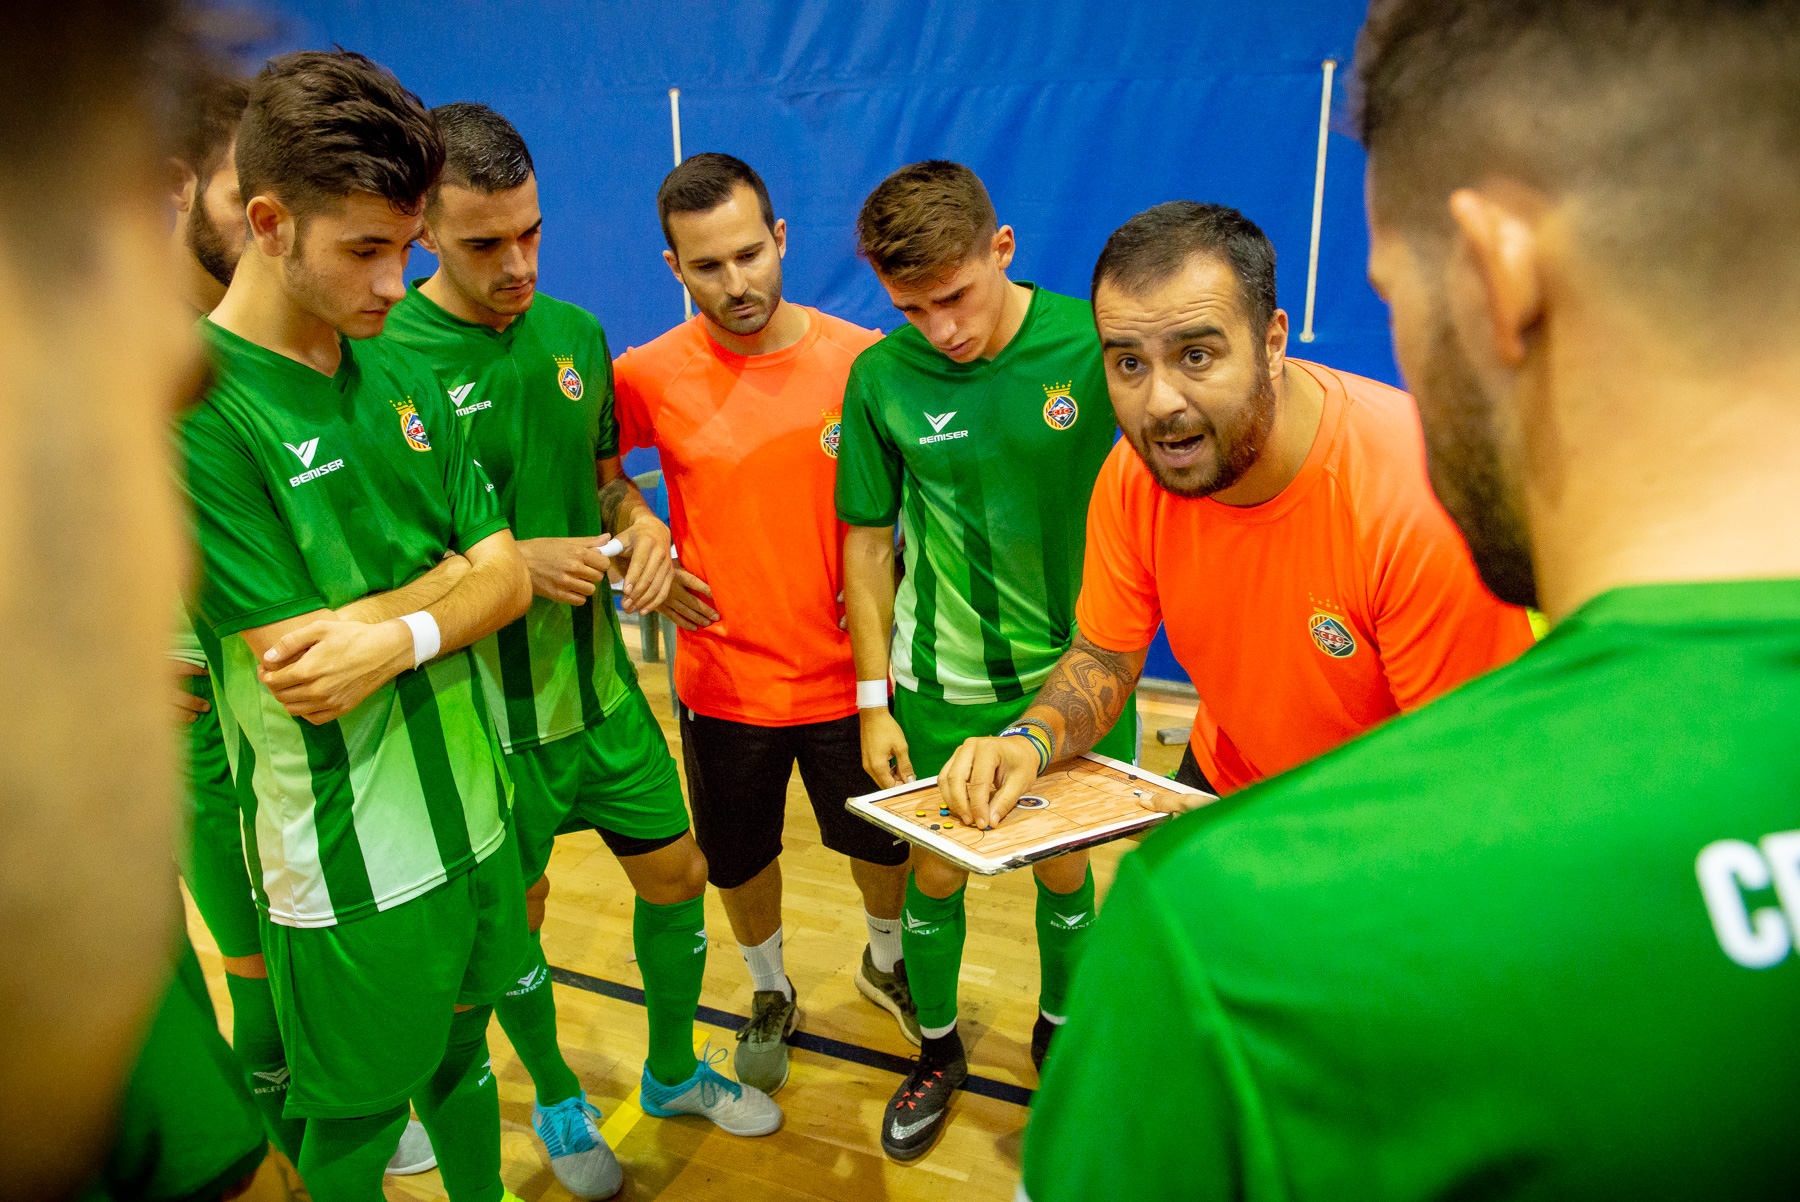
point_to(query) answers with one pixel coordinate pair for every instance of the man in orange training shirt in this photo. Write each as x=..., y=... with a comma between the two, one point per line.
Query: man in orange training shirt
x=743, y=403
x=1275, y=514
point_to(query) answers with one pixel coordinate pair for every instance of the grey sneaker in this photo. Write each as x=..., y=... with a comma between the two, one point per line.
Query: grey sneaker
x=762, y=1056
x=414, y=1155
x=890, y=991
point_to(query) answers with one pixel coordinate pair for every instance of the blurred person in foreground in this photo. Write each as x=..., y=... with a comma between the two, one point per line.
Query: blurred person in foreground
x=1536, y=939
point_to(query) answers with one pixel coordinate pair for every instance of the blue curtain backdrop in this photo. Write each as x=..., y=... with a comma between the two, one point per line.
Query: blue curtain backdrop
x=1076, y=115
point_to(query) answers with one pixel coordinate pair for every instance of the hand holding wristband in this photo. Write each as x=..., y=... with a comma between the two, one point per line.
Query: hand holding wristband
x=1033, y=736
x=872, y=694
x=425, y=635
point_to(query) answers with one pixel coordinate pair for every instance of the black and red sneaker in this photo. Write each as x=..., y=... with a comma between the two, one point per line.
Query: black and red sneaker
x=917, y=1112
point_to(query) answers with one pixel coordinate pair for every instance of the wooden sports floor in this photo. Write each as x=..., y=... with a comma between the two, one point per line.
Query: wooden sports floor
x=829, y=1147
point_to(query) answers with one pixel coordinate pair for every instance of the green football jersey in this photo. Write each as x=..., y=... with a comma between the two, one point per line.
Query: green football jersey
x=989, y=466
x=535, y=403
x=1536, y=939
x=309, y=492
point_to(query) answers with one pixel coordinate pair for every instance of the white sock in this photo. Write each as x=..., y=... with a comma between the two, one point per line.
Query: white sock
x=1055, y=1020
x=884, y=941
x=938, y=1032
x=764, y=960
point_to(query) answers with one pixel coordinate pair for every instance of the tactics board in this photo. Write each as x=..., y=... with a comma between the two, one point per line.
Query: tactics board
x=1087, y=801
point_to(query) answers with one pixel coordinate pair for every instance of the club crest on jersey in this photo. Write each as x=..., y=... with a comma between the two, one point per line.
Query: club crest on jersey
x=830, y=436
x=1332, y=636
x=567, y=378
x=1059, y=407
x=412, y=425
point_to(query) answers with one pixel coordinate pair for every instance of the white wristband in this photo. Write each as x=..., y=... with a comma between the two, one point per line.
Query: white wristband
x=871, y=694
x=426, y=639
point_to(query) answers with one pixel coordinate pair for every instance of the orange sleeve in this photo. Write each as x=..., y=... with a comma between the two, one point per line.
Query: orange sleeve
x=1119, y=608
x=1436, y=624
x=629, y=409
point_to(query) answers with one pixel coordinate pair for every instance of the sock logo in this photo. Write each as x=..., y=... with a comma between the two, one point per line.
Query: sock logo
x=1071, y=922
x=487, y=1072
x=530, y=981
x=920, y=928
x=701, y=936
x=277, y=1080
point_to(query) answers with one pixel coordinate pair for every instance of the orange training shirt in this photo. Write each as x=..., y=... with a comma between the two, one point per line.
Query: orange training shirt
x=1310, y=618
x=749, y=456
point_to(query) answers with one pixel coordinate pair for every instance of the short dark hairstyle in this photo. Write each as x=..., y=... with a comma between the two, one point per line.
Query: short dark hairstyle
x=924, y=221
x=705, y=181
x=322, y=125
x=482, y=150
x=1157, y=243
x=1677, y=121
x=206, y=118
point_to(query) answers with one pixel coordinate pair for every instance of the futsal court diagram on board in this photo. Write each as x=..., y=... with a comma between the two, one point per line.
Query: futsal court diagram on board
x=1088, y=801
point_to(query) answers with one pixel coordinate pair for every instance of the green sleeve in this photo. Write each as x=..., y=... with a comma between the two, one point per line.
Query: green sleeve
x=869, y=466
x=1139, y=1099
x=251, y=563
x=606, y=441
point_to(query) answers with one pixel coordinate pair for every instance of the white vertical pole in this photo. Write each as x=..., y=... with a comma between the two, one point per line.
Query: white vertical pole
x=687, y=302
x=1312, y=257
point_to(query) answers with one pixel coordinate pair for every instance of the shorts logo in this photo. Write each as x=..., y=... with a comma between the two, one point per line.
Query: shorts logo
x=412, y=425
x=830, y=436
x=529, y=981
x=1332, y=636
x=277, y=1080
x=1060, y=410
x=567, y=378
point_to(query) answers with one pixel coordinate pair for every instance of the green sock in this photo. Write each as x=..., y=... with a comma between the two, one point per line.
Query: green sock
x=932, y=939
x=1063, y=920
x=460, y=1107
x=528, y=1016
x=344, y=1160
x=672, y=967
x=256, y=1039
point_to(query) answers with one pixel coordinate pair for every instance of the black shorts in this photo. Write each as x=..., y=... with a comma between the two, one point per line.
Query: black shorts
x=737, y=777
x=1189, y=773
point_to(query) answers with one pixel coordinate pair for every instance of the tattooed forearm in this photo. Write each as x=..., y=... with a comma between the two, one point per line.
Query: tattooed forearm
x=1085, y=695
x=615, y=503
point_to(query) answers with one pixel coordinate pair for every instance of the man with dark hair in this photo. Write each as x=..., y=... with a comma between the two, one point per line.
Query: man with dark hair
x=1353, y=598
x=979, y=426
x=742, y=402
x=209, y=214
x=1536, y=940
x=531, y=382
x=323, y=472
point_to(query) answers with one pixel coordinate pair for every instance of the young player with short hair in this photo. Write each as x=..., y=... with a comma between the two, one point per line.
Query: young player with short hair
x=531, y=381
x=324, y=470
x=743, y=402
x=1536, y=939
x=980, y=425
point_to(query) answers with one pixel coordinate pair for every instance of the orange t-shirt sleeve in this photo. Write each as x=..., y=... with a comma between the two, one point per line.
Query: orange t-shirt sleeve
x=1119, y=607
x=1435, y=622
x=629, y=409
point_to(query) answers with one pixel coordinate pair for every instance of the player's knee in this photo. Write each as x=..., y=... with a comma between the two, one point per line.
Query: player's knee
x=937, y=878
x=687, y=879
x=535, y=897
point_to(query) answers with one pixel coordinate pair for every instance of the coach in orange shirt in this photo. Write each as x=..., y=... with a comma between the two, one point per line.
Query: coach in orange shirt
x=743, y=403
x=1274, y=514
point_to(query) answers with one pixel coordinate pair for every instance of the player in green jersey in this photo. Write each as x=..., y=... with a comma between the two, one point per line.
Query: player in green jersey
x=531, y=380
x=1538, y=938
x=980, y=425
x=324, y=471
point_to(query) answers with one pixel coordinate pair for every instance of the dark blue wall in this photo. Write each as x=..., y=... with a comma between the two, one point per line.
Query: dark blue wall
x=1076, y=115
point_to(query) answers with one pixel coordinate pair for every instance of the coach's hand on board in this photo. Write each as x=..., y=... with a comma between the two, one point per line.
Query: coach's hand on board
x=884, y=748
x=1172, y=803
x=324, y=670
x=650, y=569
x=188, y=706
x=569, y=570
x=983, y=780
x=689, y=605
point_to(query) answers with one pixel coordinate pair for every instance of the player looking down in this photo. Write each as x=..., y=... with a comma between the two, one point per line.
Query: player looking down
x=988, y=377
x=324, y=471
x=531, y=381
x=742, y=403
x=1352, y=597
x=1536, y=939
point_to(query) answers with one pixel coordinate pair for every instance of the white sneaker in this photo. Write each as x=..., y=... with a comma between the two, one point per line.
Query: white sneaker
x=736, y=1109
x=415, y=1154
x=579, y=1157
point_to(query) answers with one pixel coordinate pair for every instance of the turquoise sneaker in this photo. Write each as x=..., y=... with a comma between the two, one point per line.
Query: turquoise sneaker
x=736, y=1109
x=582, y=1162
